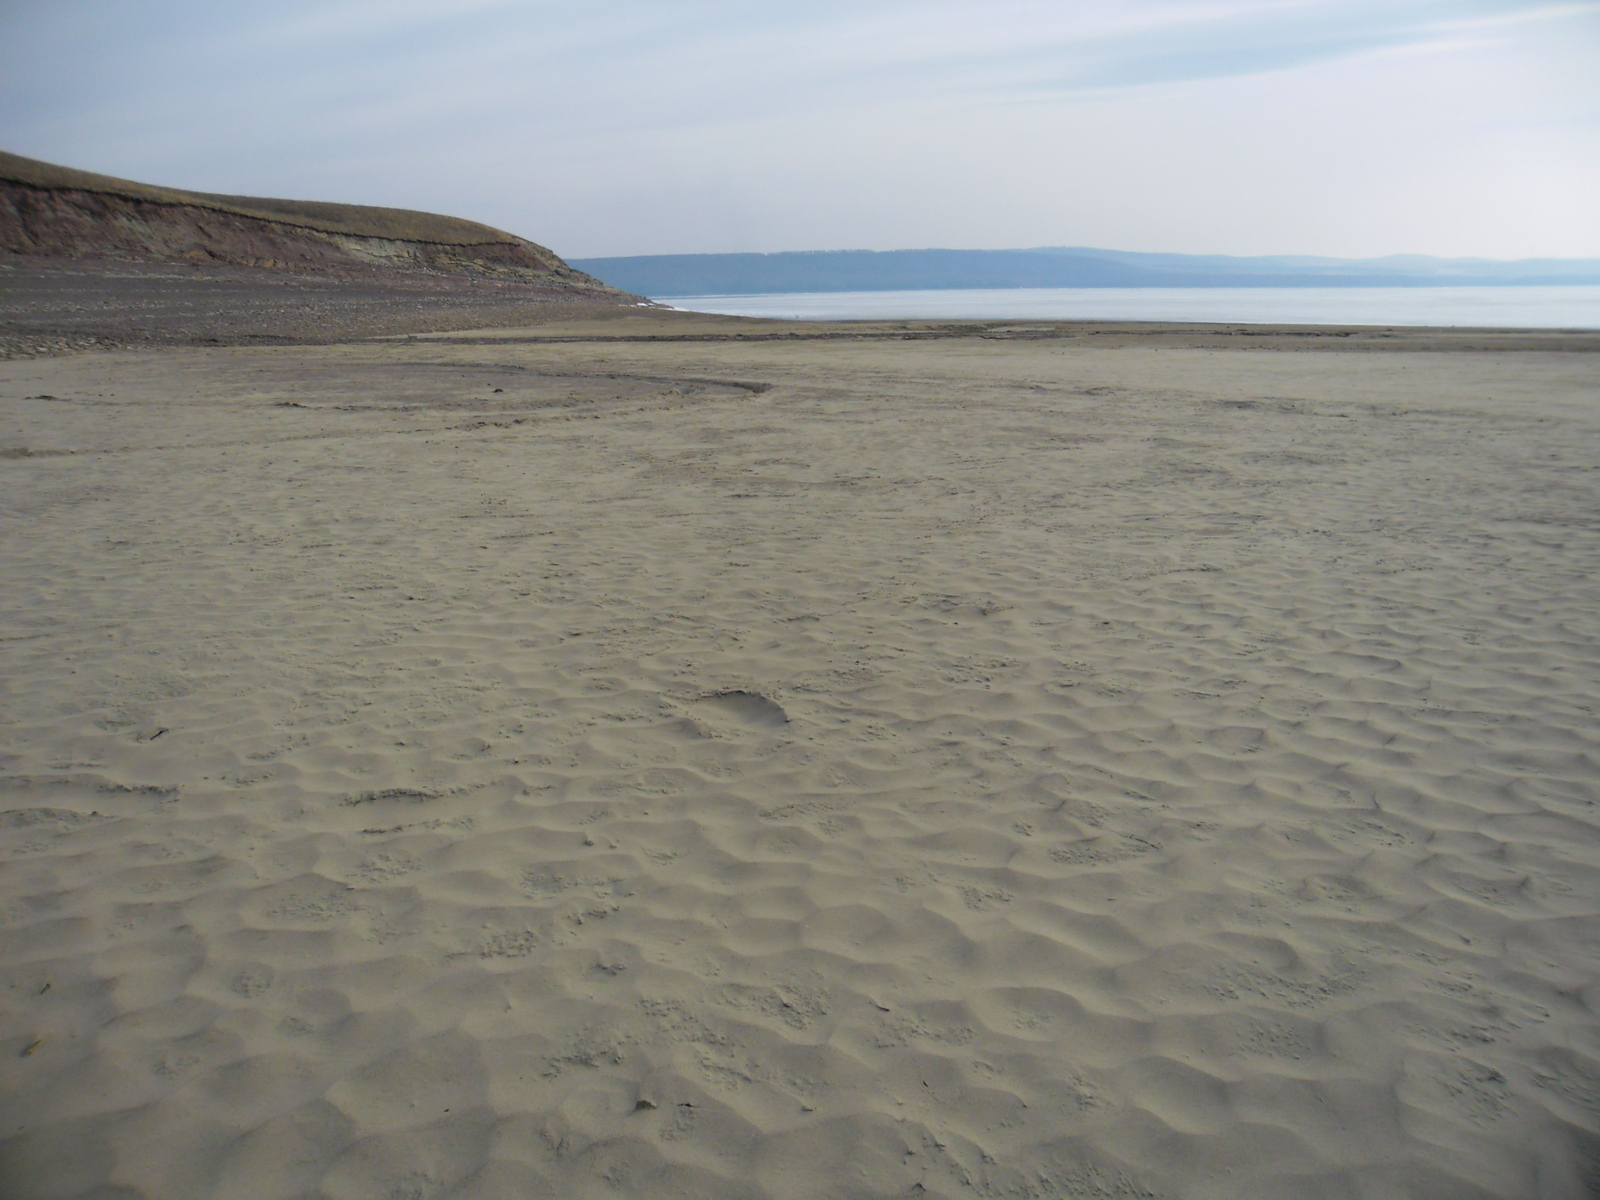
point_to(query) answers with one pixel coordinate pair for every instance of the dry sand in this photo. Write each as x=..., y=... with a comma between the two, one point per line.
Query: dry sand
x=963, y=767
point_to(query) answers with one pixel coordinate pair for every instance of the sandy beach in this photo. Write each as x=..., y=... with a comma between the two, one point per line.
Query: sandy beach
x=674, y=757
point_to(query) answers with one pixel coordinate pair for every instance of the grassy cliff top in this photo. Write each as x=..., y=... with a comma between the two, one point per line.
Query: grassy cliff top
x=359, y=219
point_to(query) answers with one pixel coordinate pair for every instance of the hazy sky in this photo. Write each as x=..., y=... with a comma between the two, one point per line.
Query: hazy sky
x=1345, y=127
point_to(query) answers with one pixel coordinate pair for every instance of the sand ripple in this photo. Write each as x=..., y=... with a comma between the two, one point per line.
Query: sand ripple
x=959, y=770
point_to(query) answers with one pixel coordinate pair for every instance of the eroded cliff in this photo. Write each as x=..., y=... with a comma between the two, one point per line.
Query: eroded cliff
x=58, y=212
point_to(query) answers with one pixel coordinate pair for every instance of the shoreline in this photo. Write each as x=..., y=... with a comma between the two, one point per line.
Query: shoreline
x=62, y=306
x=1531, y=307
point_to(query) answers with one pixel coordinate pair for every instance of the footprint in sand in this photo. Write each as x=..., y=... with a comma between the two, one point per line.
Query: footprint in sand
x=746, y=708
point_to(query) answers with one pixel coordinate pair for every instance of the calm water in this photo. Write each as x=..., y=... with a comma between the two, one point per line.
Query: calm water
x=1516, y=307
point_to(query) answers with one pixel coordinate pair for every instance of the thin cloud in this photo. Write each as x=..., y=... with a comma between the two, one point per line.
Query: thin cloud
x=629, y=126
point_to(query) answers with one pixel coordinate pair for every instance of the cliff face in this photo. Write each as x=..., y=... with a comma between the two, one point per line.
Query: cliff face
x=56, y=212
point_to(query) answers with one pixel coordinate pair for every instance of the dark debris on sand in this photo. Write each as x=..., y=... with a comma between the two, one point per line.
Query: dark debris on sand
x=53, y=306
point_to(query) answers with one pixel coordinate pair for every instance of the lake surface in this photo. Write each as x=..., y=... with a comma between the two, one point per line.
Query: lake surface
x=1565, y=307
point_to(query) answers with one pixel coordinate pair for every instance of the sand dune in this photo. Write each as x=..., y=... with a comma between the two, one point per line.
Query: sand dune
x=875, y=769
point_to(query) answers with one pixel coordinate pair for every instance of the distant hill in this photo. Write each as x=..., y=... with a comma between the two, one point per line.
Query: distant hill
x=51, y=211
x=666, y=275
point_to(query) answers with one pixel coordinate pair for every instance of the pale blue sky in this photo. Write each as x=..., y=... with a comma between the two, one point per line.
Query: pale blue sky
x=1345, y=127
